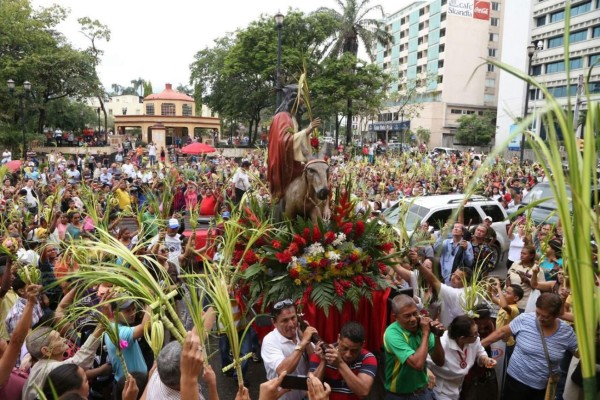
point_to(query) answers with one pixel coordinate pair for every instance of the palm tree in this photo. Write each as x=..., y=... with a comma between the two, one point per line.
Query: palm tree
x=354, y=27
x=138, y=84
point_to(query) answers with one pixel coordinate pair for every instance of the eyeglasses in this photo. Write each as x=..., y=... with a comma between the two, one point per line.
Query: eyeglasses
x=282, y=304
x=475, y=335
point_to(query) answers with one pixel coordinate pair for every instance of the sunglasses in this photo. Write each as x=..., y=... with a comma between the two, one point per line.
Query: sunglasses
x=282, y=304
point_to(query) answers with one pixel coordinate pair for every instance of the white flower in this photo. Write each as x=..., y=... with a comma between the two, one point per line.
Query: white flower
x=315, y=249
x=339, y=239
x=333, y=256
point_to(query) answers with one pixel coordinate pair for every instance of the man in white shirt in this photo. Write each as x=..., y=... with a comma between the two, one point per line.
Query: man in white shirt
x=240, y=181
x=128, y=169
x=286, y=348
x=152, y=153
x=172, y=241
x=73, y=176
x=105, y=176
x=6, y=156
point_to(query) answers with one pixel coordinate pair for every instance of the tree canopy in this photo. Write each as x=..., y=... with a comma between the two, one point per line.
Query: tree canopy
x=476, y=130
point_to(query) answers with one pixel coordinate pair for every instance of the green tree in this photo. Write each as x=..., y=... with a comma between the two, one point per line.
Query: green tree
x=423, y=135
x=354, y=26
x=138, y=86
x=147, y=88
x=476, y=130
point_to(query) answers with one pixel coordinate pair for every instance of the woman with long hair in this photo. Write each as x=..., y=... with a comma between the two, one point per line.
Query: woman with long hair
x=520, y=273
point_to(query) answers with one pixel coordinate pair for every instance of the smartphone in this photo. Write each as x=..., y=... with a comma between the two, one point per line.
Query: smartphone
x=295, y=382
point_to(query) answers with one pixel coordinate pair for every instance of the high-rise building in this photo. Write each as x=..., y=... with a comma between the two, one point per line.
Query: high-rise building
x=437, y=64
x=543, y=28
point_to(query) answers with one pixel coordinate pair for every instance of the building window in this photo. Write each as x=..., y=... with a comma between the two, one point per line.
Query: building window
x=110, y=111
x=443, y=16
x=557, y=16
x=555, y=42
x=187, y=110
x=440, y=63
x=150, y=109
x=536, y=70
x=491, y=68
x=495, y=21
x=455, y=111
x=488, y=98
x=594, y=59
x=561, y=91
x=492, y=52
x=577, y=36
x=419, y=69
x=576, y=63
x=490, y=83
x=167, y=109
x=581, y=8
x=596, y=31
x=540, y=21
x=554, y=67
x=495, y=6
x=422, y=12
x=493, y=37
x=443, y=31
x=594, y=87
x=442, y=48
x=440, y=79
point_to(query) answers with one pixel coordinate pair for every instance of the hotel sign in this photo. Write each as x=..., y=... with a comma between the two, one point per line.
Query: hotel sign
x=392, y=126
x=475, y=9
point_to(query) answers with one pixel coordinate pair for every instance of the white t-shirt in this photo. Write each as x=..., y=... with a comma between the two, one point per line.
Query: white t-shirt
x=173, y=244
x=151, y=150
x=451, y=299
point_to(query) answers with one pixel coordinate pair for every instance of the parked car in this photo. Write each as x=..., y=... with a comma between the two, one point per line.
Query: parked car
x=436, y=210
x=445, y=150
x=545, y=211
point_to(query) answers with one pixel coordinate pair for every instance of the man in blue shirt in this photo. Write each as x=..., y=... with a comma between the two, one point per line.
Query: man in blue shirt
x=456, y=252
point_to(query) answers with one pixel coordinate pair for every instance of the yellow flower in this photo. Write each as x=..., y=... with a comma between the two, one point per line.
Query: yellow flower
x=298, y=282
x=318, y=278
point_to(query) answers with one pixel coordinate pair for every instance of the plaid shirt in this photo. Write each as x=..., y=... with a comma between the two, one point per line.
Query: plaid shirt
x=13, y=316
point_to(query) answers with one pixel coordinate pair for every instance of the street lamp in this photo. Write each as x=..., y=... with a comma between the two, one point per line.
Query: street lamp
x=531, y=49
x=23, y=95
x=279, y=25
x=349, y=134
x=98, y=112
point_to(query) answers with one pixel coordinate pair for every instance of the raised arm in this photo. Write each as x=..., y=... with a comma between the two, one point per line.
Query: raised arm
x=429, y=277
x=10, y=356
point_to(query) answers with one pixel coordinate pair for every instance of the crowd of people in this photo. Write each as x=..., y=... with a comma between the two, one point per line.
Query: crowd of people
x=433, y=347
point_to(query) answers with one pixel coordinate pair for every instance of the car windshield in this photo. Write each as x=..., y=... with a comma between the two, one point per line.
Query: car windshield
x=414, y=215
x=543, y=191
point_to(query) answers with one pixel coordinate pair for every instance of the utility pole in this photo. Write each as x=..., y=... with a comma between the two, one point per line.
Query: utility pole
x=578, y=101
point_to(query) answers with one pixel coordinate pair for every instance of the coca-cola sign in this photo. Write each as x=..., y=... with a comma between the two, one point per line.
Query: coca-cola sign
x=482, y=10
x=470, y=9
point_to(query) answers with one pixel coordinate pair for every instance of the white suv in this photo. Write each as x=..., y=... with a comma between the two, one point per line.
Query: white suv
x=436, y=210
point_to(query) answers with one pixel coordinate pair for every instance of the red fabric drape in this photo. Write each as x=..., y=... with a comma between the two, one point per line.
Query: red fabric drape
x=371, y=316
x=281, y=153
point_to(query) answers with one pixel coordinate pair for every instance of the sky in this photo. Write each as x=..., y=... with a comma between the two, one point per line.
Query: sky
x=156, y=40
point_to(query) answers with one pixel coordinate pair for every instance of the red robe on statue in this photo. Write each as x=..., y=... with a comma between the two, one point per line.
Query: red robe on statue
x=281, y=168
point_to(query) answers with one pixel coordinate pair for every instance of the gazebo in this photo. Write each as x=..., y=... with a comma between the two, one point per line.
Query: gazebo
x=167, y=115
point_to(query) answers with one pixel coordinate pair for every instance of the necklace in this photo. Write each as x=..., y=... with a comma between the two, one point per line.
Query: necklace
x=463, y=360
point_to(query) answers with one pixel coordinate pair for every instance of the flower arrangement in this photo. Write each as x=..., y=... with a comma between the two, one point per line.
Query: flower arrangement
x=328, y=263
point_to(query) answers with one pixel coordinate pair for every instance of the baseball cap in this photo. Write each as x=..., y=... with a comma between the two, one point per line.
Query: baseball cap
x=487, y=217
x=125, y=304
x=173, y=223
x=226, y=215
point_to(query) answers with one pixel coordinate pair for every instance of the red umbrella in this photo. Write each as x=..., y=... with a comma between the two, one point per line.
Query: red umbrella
x=198, y=148
x=14, y=165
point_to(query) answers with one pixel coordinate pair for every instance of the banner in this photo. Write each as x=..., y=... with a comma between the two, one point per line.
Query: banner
x=470, y=9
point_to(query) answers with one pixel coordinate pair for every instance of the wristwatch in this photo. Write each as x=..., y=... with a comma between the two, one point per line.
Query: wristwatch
x=299, y=348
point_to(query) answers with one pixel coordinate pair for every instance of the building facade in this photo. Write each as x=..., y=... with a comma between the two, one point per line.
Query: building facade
x=437, y=64
x=545, y=28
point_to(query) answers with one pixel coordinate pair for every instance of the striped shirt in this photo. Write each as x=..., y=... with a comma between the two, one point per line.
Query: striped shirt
x=528, y=363
x=366, y=363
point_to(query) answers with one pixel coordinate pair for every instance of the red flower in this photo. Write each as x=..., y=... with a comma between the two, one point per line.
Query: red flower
x=360, y=228
x=276, y=244
x=339, y=289
x=244, y=266
x=339, y=265
x=323, y=263
x=299, y=240
x=370, y=282
x=250, y=257
x=347, y=228
x=314, y=142
x=293, y=249
x=353, y=257
x=306, y=234
x=313, y=264
x=358, y=280
x=382, y=268
x=294, y=273
x=345, y=284
x=329, y=237
x=387, y=247
x=316, y=236
x=284, y=257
